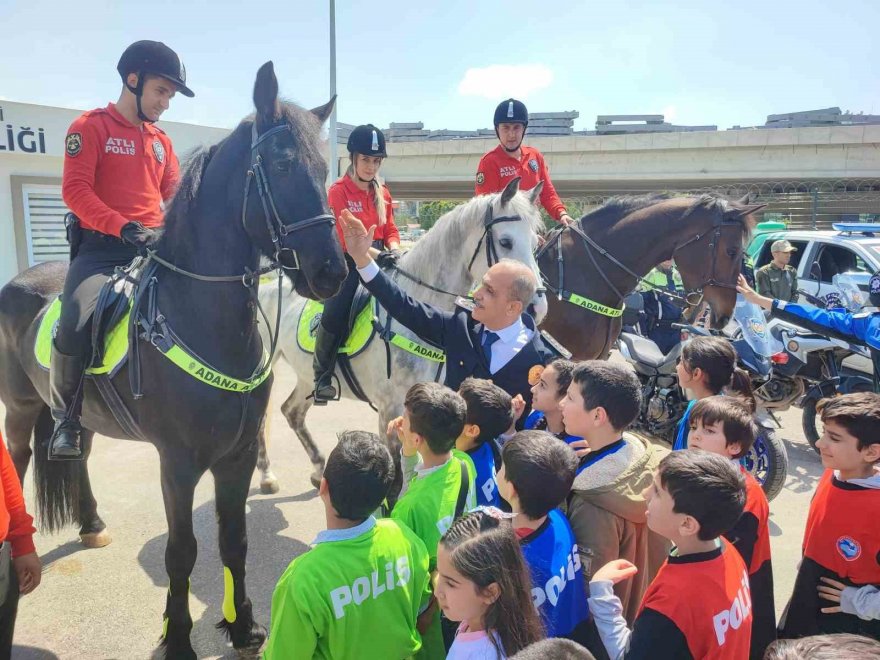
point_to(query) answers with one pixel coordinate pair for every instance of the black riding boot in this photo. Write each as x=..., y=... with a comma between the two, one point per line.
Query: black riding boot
x=65, y=374
x=326, y=346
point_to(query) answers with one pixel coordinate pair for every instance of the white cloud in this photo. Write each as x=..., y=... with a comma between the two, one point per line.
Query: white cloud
x=501, y=80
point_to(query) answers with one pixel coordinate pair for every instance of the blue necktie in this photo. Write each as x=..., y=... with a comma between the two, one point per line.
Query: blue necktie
x=489, y=338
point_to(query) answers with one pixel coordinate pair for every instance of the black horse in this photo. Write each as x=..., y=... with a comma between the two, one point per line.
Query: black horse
x=258, y=192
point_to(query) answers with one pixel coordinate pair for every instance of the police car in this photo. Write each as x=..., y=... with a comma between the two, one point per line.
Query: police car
x=850, y=250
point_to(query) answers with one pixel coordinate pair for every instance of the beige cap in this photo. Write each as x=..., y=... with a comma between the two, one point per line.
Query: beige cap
x=782, y=246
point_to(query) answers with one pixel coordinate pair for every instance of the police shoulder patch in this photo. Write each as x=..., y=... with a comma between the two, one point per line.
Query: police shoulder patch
x=533, y=165
x=480, y=178
x=159, y=151
x=73, y=144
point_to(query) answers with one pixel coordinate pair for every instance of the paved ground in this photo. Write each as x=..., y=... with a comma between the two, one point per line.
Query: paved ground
x=108, y=603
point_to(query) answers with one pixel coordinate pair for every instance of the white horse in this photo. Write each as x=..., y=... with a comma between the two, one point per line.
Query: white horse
x=451, y=257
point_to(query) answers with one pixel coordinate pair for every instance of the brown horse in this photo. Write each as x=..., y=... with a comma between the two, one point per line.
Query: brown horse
x=591, y=266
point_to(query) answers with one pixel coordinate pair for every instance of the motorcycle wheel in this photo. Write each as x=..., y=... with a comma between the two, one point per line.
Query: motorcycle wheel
x=810, y=418
x=767, y=462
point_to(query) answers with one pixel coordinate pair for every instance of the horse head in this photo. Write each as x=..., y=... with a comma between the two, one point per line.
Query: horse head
x=509, y=230
x=711, y=259
x=285, y=206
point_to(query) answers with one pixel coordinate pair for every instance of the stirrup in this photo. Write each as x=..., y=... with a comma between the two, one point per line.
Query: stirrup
x=323, y=401
x=70, y=456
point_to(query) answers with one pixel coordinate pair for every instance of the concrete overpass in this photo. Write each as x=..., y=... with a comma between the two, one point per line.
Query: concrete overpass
x=601, y=165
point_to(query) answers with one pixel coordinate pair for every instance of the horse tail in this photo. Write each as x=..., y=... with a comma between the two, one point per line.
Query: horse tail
x=56, y=482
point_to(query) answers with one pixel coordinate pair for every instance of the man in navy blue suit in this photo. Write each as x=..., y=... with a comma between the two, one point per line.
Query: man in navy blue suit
x=497, y=340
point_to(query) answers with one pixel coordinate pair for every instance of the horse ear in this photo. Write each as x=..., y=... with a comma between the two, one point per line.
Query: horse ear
x=743, y=201
x=266, y=96
x=535, y=193
x=742, y=211
x=323, y=112
x=510, y=190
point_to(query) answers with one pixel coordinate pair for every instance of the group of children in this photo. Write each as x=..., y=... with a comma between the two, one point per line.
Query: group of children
x=573, y=538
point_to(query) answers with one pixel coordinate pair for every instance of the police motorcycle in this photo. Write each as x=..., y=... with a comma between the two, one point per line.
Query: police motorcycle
x=814, y=366
x=664, y=402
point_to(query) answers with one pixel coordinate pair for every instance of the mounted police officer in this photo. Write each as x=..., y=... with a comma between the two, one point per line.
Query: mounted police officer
x=497, y=341
x=511, y=159
x=861, y=328
x=361, y=192
x=119, y=169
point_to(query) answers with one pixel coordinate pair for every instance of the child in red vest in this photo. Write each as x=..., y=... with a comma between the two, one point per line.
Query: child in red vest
x=837, y=589
x=724, y=425
x=698, y=605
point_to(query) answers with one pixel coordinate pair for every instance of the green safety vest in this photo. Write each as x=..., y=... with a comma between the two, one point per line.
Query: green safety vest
x=427, y=508
x=352, y=599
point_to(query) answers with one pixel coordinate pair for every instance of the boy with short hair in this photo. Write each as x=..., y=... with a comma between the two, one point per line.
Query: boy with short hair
x=361, y=575
x=724, y=425
x=698, y=606
x=837, y=588
x=606, y=507
x=437, y=487
x=488, y=415
x=535, y=478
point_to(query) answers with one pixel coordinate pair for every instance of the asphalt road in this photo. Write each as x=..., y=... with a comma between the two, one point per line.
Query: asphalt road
x=108, y=602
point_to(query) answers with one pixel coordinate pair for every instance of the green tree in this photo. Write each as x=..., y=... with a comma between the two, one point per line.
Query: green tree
x=430, y=212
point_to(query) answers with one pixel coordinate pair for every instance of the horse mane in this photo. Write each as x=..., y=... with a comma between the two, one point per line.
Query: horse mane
x=304, y=127
x=617, y=208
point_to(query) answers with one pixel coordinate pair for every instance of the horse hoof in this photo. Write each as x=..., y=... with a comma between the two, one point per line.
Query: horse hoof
x=269, y=485
x=96, y=539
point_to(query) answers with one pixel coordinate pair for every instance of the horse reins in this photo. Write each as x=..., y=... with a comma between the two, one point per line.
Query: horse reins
x=491, y=254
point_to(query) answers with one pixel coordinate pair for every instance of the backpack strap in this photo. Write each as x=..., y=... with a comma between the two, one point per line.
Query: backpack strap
x=462, y=491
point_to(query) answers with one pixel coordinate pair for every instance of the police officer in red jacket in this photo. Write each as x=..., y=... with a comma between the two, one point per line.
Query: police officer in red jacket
x=361, y=192
x=118, y=170
x=511, y=159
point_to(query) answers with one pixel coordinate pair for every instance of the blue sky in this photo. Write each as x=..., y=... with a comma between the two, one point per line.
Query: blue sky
x=449, y=63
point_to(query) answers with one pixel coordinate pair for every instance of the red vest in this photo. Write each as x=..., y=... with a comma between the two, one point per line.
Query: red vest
x=497, y=168
x=843, y=532
x=115, y=172
x=708, y=601
x=344, y=194
x=757, y=505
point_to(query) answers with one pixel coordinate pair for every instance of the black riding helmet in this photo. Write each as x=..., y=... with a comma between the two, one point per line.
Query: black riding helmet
x=152, y=57
x=368, y=140
x=511, y=111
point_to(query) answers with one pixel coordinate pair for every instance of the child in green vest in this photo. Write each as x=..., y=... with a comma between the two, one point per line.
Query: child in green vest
x=359, y=591
x=437, y=487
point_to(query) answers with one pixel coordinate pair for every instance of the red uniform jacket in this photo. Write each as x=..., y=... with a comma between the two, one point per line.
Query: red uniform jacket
x=698, y=606
x=16, y=525
x=344, y=194
x=497, y=168
x=751, y=537
x=841, y=541
x=115, y=173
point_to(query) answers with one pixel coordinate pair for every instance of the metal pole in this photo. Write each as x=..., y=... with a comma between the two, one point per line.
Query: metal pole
x=815, y=212
x=334, y=159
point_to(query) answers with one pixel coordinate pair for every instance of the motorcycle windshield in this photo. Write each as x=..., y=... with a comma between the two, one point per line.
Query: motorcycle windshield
x=750, y=318
x=854, y=298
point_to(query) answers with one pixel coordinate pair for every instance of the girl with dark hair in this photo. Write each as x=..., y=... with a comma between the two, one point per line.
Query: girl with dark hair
x=484, y=583
x=707, y=367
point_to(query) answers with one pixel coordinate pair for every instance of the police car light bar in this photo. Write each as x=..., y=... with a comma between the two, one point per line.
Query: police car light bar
x=866, y=228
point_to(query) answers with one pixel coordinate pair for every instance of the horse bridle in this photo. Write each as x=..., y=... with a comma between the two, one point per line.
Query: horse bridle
x=714, y=233
x=278, y=229
x=491, y=253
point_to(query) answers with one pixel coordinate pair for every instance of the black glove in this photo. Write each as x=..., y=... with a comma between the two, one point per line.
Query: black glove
x=134, y=233
x=388, y=258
